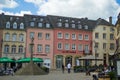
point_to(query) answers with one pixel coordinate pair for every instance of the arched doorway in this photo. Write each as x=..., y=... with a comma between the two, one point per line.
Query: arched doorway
x=59, y=61
x=68, y=59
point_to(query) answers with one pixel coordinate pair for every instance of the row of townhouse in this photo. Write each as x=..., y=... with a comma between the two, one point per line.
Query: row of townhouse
x=57, y=39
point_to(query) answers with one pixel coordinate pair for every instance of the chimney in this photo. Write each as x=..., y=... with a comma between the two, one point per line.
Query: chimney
x=110, y=19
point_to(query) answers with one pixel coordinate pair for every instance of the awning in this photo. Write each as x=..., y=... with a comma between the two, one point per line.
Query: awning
x=90, y=57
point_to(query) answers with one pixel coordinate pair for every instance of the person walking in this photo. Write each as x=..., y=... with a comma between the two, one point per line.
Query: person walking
x=63, y=68
x=69, y=67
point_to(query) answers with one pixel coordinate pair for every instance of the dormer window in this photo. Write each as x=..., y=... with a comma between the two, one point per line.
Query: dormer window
x=47, y=25
x=79, y=26
x=60, y=20
x=59, y=24
x=32, y=24
x=73, y=25
x=11, y=18
x=14, y=25
x=66, y=25
x=21, y=26
x=66, y=20
x=86, y=27
x=78, y=21
x=73, y=21
x=39, y=24
x=34, y=19
x=41, y=19
x=8, y=24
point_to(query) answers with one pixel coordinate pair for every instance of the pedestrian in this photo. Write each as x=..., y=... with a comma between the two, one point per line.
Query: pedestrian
x=68, y=67
x=63, y=68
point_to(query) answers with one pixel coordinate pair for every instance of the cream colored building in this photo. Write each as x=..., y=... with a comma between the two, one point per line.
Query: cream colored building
x=104, y=44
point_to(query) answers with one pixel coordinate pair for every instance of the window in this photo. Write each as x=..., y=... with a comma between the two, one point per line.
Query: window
x=39, y=24
x=80, y=47
x=13, y=49
x=39, y=48
x=14, y=37
x=59, y=45
x=80, y=37
x=31, y=35
x=79, y=26
x=6, y=48
x=73, y=36
x=21, y=26
x=67, y=36
x=86, y=27
x=32, y=24
x=47, y=48
x=96, y=45
x=8, y=25
x=67, y=47
x=104, y=28
x=20, y=50
x=59, y=24
x=96, y=35
x=59, y=35
x=112, y=30
x=47, y=25
x=14, y=25
x=7, y=37
x=47, y=36
x=39, y=35
x=66, y=25
x=111, y=36
x=86, y=37
x=73, y=47
x=59, y=19
x=112, y=46
x=104, y=45
x=73, y=25
x=21, y=37
x=86, y=48
x=41, y=19
x=104, y=35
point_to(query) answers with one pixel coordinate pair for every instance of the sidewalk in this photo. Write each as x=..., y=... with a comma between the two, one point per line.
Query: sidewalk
x=53, y=75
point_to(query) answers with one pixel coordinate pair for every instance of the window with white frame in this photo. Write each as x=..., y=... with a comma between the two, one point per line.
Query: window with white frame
x=79, y=26
x=39, y=35
x=73, y=46
x=21, y=26
x=47, y=25
x=59, y=24
x=6, y=49
x=104, y=45
x=39, y=48
x=14, y=25
x=73, y=25
x=104, y=35
x=67, y=36
x=7, y=37
x=67, y=46
x=32, y=24
x=8, y=24
x=40, y=24
x=59, y=35
x=80, y=47
x=47, y=36
x=14, y=37
x=21, y=37
x=41, y=19
x=73, y=36
x=86, y=37
x=59, y=46
x=80, y=37
x=86, y=48
x=13, y=49
x=86, y=27
x=112, y=46
x=96, y=35
x=31, y=35
x=20, y=50
x=66, y=25
x=47, y=48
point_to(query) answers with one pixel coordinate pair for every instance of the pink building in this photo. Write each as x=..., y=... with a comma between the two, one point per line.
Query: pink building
x=40, y=29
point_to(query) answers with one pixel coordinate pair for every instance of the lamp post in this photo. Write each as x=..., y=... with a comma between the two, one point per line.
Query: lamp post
x=31, y=47
x=95, y=56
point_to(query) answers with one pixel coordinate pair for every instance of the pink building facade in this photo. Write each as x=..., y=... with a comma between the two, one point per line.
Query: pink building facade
x=43, y=44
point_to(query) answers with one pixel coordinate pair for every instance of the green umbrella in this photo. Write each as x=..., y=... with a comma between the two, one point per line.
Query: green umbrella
x=6, y=60
x=26, y=60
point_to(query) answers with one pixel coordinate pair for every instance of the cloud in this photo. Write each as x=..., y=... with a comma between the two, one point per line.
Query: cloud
x=17, y=14
x=8, y=4
x=92, y=9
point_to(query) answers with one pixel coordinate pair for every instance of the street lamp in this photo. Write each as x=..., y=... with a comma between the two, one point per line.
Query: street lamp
x=95, y=56
x=31, y=47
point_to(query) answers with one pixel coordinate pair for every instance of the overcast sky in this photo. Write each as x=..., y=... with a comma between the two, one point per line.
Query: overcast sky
x=93, y=9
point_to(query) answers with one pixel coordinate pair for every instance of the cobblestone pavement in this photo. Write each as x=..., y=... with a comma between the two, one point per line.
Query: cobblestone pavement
x=53, y=75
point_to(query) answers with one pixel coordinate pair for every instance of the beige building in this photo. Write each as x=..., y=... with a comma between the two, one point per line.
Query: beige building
x=103, y=42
